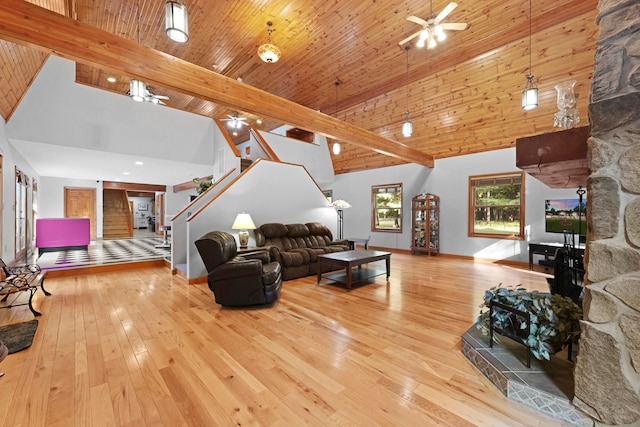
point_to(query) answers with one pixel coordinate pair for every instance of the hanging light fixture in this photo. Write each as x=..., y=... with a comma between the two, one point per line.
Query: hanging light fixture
x=176, y=21
x=407, y=126
x=269, y=52
x=137, y=90
x=336, y=144
x=530, y=92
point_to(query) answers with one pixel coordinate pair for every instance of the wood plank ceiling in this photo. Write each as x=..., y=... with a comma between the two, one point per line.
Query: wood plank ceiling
x=463, y=96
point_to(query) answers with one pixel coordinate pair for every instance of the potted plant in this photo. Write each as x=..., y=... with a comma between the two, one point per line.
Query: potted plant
x=203, y=184
x=555, y=320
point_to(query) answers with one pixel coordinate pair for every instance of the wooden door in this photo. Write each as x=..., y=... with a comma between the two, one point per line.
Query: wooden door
x=159, y=210
x=81, y=203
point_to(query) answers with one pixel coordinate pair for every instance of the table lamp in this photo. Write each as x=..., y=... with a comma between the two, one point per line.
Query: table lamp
x=243, y=222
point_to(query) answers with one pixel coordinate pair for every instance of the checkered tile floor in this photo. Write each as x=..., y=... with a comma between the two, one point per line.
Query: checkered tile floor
x=106, y=252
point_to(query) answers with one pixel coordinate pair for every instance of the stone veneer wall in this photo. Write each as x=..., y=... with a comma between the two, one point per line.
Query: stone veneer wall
x=607, y=374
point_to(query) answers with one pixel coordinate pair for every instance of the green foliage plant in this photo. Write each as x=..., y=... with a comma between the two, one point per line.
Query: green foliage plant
x=203, y=184
x=555, y=320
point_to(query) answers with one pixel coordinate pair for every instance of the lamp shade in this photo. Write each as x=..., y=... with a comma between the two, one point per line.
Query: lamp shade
x=269, y=52
x=176, y=21
x=243, y=221
x=341, y=204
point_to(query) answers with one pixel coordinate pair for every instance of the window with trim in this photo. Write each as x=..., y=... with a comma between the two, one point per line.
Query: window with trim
x=386, y=204
x=496, y=205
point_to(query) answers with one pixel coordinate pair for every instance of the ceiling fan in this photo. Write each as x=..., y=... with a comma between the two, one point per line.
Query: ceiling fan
x=432, y=30
x=140, y=92
x=235, y=122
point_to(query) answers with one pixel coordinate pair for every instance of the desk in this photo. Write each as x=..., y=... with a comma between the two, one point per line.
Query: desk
x=548, y=250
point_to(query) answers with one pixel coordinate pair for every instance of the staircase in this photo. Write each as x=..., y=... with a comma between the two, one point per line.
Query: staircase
x=116, y=222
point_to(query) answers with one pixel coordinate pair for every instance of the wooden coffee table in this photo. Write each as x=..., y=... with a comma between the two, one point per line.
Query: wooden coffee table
x=350, y=259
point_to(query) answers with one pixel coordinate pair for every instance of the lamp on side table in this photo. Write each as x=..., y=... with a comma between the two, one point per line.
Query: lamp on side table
x=244, y=223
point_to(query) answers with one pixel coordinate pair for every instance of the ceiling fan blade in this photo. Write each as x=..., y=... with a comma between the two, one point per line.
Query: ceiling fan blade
x=454, y=26
x=417, y=20
x=409, y=38
x=160, y=96
x=446, y=11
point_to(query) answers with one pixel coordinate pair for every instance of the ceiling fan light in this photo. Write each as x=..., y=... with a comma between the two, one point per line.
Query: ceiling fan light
x=336, y=148
x=529, y=95
x=137, y=90
x=420, y=43
x=438, y=30
x=176, y=21
x=432, y=43
x=424, y=34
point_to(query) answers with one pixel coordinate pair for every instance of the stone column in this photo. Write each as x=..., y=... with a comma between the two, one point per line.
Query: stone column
x=607, y=374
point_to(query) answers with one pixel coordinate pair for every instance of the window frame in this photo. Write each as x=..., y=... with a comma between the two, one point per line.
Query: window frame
x=374, y=208
x=472, y=207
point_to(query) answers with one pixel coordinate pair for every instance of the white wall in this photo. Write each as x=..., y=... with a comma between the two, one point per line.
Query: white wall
x=355, y=188
x=448, y=180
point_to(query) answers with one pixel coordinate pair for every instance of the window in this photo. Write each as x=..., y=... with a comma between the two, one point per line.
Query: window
x=386, y=203
x=496, y=206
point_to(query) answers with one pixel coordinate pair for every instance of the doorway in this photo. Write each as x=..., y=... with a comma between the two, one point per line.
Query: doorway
x=81, y=203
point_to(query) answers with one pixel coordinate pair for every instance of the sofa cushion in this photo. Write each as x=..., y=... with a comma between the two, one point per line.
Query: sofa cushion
x=295, y=258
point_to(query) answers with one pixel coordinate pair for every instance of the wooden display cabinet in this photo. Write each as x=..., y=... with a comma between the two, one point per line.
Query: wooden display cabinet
x=425, y=224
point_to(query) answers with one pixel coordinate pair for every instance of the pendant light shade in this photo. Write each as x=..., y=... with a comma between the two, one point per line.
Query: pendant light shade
x=176, y=21
x=529, y=95
x=137, y=90
x=530, y=92
x=407, y=127
x=269, y=52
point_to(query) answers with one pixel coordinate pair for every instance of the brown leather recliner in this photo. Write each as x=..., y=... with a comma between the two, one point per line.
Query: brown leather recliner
x=238, y=279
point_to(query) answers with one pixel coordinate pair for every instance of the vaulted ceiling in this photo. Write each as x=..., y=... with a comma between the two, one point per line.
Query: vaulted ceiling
x=463, y=95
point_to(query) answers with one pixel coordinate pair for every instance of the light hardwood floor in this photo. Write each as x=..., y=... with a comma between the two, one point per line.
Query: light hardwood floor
x=144, y=348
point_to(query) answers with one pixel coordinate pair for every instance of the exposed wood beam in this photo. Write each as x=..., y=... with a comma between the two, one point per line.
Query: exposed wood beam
x=27, y=24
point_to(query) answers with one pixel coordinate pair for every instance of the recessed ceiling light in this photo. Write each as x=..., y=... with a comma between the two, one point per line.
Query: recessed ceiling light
x=235, y=133
x=125, y=173
x=139, y=163
x=259, y=121
x=111, y=79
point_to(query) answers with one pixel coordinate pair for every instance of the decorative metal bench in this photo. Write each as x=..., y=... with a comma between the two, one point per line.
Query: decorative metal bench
x=21, y=278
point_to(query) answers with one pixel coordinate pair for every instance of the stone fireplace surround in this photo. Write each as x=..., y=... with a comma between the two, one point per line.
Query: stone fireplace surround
x=607, y=373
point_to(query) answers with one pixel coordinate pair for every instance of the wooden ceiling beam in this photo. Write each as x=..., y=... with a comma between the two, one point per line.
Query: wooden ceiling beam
x=27, y=24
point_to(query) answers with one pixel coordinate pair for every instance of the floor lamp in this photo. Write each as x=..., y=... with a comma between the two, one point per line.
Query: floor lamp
x=340, y=206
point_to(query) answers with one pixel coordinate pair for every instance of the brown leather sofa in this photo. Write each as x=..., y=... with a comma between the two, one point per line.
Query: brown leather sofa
x=297, y=246
x=245, y=279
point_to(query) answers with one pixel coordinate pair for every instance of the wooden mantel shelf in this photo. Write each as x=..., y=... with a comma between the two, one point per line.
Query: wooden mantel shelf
x=558, y=159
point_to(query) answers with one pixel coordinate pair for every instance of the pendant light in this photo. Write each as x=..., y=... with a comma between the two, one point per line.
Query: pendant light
x=407, y=127
x=336, y=144
x=269, y=52
x=530, y=92
x=138, y=88
x=176, y=21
